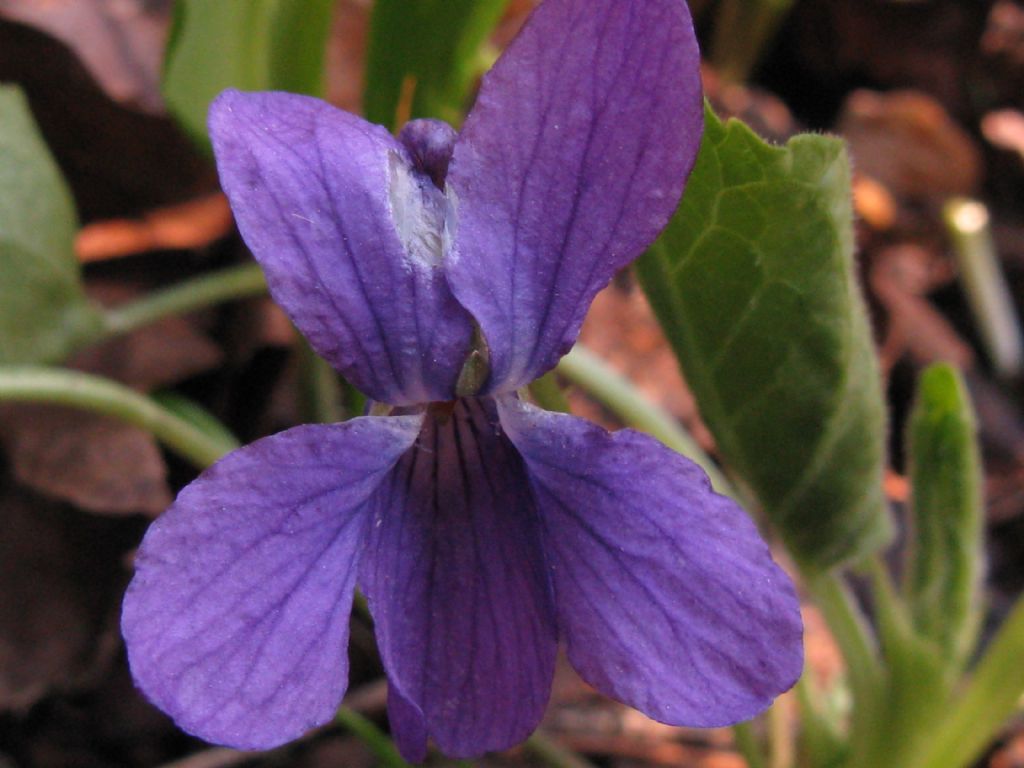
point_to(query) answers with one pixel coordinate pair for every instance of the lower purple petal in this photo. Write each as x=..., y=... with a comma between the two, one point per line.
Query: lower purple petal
x=236, y=622
x=408, y=726
x=455, y=578
x=666, y=596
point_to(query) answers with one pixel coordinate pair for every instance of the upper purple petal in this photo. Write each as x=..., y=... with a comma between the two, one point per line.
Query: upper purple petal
x=666, y=596
x=349, y=235
x=455, y=579
x=236, y=622
x=569, y=165
x=430, y=144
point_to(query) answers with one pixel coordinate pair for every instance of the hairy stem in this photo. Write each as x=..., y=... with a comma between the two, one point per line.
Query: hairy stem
x=195, y=293
x=93, y=393
x=855, y=639
x=372, y=736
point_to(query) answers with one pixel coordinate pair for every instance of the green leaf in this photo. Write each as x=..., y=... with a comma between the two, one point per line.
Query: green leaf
x=991, y=696
x=909, y=705
x=298, y=45
x=820, y=742
x=193, y=413
x=43, y=308
x=943, y=575
x=428, y=50
x=247, y=44
x=753, y=282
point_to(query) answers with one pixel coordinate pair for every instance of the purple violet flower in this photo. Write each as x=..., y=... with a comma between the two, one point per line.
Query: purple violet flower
x=439, y=273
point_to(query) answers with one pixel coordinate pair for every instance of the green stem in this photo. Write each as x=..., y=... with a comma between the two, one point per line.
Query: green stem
x=748, y=744
x=852, y=634
x=990, y=699
x=94, y=393
x=548, y=394
x=988, y=293
x=820, y=742
x=743, y=30
x=196, y=293
x=373, y=737
x=549, y=752
x=891, y=612
x=319, y=388
x=618, y=394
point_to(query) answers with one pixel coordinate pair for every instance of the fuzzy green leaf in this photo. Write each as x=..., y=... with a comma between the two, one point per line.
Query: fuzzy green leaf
x=944, y=570
x=43, y=308
x=429, y=50
x=247, y=44
x=753, y=282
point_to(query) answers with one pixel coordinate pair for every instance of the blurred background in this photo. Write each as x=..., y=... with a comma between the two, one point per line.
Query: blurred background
x=928, y=93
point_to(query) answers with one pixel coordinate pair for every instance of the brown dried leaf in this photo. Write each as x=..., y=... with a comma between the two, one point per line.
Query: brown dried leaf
x=1002, y=46
x=192, y=224
x=119, y=162
x=154, y=356
x=61, y=580
x=873, y=203
x=346, y=53
x=1004, y=128
x=926, y=45
x=908, y=142
x=120, y=42
x=97, y=463
x=900, y=277
x=621, y=328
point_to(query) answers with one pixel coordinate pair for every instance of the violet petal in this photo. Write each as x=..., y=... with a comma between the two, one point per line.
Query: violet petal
x=571, y=162
x=349, y=236
x=408, y=726
x=236, y=622
x=667, y=598
x=430, y=143
x=455, y=579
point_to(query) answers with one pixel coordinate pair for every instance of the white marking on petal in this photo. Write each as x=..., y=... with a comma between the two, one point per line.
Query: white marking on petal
x=451, y=224
x=417, y=211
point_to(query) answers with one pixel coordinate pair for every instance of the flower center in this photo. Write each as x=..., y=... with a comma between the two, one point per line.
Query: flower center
x=441, y=411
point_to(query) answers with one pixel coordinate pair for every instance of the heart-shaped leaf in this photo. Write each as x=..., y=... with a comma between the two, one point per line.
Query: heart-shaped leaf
x=43, y=309
x=753, y=282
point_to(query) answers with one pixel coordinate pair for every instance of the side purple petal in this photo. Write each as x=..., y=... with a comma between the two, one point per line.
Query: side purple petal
x=349, y=236
x=236, y=622
x=569, y=165
x=455, y=579
x=666, y=596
